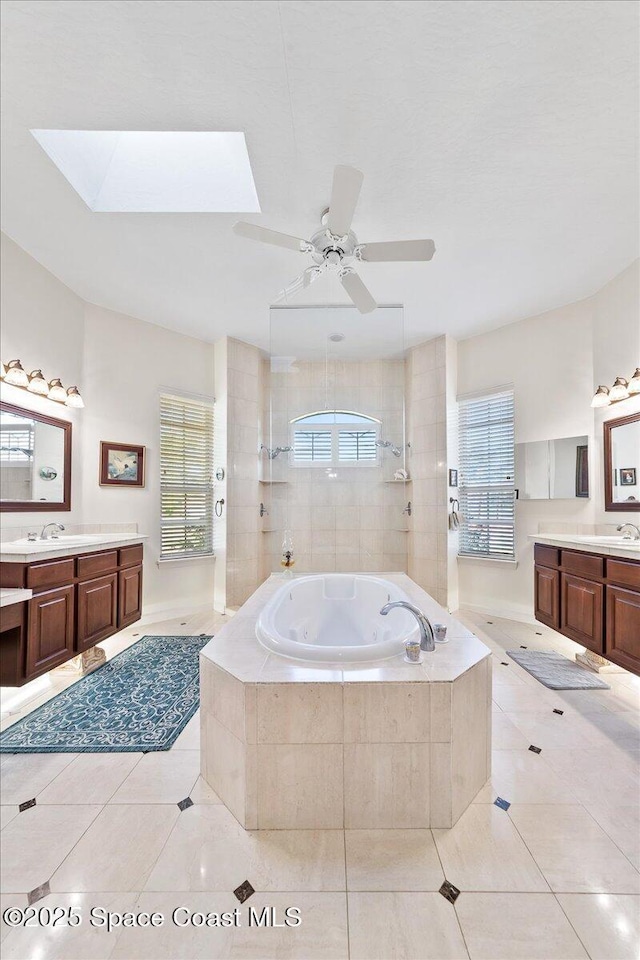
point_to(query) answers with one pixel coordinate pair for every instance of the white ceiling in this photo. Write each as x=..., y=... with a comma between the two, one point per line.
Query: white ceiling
x=507, y=131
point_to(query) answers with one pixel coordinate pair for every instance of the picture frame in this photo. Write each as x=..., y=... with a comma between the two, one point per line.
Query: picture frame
x=121, y=464
x=628, y=477
x=453, y=478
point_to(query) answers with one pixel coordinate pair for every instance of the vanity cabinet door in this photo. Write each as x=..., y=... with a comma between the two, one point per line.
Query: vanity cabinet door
x=129, y=596
x=581, y=611
x=547, y=596
x=97, y=610
x=50, y=634
x=622, y=644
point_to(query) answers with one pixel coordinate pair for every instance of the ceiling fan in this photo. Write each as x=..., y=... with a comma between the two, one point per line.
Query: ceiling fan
x=334, y=245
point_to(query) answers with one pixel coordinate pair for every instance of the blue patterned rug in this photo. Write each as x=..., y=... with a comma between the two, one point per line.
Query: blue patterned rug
x=138, y=701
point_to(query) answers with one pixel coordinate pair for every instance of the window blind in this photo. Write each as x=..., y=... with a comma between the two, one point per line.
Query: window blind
x=486, y=478
x=312, y=446
x=358, y=445
x=186, y=477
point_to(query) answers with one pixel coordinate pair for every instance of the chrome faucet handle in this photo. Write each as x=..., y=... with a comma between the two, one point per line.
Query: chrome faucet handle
x=427, y=637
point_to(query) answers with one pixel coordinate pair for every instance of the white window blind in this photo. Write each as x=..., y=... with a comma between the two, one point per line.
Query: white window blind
x=486, y=479
x=312, y=446
x=359, y=445
x=186, y=477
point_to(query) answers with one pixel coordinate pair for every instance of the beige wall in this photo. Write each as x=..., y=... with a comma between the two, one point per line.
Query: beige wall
x=120, y=365
x=554, y=361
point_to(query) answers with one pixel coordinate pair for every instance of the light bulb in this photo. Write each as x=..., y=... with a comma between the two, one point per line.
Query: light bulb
x=57, y=391
x=15, y=374
x=601, y=397
x=634, y=383
x=37, y=383
x=73, y=398
x=619, y=391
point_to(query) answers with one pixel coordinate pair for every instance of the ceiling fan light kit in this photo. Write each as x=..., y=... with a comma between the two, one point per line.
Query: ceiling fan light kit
x=334, y=246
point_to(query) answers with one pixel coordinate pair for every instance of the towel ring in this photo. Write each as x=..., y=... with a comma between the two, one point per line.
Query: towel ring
x=218, y=507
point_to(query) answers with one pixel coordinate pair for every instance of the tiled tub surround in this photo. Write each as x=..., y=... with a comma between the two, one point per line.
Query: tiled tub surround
x=293, y=745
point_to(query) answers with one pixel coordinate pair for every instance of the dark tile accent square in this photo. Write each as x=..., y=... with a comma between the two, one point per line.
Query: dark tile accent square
x=490, y=621
x=184, y=623
x=27, y=803
x=503, y=804
x=535, y=749
x=39, y=893
x=538, y=634
x=244, y=891
x=185, y=804
x=449, y=892
x=523, y=646
x=504, y=663
x=555, y=710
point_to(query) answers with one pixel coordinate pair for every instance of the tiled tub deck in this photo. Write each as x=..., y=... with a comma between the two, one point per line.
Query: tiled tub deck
x=294, y=745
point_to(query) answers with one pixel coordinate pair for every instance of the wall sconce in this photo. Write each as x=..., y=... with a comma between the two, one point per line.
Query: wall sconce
x=35, y=382
x=621, y=390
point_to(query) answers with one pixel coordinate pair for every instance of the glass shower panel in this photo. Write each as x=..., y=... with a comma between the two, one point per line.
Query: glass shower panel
x=334, y=467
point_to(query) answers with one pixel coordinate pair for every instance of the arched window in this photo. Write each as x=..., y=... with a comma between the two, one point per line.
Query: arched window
x=331, y=437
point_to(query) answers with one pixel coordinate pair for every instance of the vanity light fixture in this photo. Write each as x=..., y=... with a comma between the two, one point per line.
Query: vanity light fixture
x=16, y=375
x=621, y=390
x=37, y=383
x=74, y=399
x=57, y=391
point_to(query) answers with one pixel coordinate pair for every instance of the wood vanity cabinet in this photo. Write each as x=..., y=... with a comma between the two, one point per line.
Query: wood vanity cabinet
x=592, y=599
x=77, y=601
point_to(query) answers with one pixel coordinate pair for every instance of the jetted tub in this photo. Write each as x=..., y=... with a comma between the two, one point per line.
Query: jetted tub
x=335, y=617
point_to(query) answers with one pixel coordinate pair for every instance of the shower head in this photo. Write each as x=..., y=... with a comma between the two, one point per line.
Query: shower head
x=396, y=451
x=272, y=454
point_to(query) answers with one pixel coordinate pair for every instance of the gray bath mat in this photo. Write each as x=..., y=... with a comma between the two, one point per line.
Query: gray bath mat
x=556, y=672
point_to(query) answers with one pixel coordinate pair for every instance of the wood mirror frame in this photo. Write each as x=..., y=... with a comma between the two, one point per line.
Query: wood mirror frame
x=609, y=503
x=28, y=506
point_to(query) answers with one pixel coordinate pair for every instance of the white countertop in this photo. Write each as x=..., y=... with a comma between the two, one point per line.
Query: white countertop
x=625, y=549
x=9, y=595
x=65, y=546
x=236, y=649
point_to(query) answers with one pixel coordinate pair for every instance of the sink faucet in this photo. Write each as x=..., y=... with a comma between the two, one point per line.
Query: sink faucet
x=629, y=536
x=52, y=523
x=427, y=639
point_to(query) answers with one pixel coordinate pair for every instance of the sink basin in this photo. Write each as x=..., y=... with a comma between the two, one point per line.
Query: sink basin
x=69, y=541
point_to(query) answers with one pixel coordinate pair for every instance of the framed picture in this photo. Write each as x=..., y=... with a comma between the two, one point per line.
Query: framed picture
x=453, y=478
x=121, y=465
x=627, y=476
x=582, y=471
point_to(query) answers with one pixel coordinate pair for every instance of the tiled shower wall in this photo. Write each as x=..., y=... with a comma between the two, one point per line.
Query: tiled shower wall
x=245, y=369
x=428, y=539
x=354, y=521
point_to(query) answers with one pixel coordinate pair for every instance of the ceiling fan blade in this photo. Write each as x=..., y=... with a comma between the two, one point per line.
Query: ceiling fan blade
x=252, y=231
x=358, y=292
x=344, y=198
x=301, y=282
x=397, y=250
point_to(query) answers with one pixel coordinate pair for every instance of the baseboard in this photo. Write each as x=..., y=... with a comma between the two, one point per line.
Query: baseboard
x=505, y=612
x=169, y=611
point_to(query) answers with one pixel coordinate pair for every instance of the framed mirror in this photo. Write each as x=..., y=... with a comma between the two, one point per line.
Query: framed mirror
x=35, y=461
x=622, y=463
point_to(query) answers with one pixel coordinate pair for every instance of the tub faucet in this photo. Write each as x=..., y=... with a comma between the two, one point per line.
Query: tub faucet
x=427, y=639
x=52, y=523
x=629, y=536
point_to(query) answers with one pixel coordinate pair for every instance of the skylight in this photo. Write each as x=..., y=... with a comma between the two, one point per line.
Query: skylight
x=137, y=171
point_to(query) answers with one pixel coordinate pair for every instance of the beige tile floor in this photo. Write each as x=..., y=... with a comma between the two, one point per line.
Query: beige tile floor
x=554, y=877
